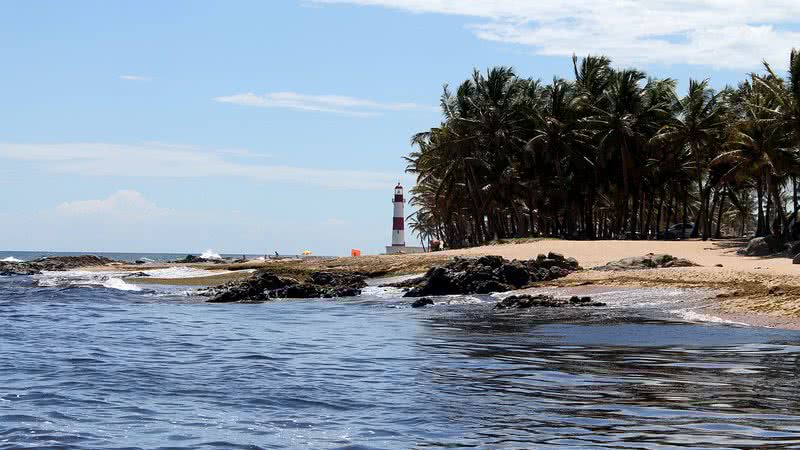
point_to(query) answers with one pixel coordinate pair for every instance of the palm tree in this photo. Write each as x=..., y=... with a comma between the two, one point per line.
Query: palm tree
x=698, y=126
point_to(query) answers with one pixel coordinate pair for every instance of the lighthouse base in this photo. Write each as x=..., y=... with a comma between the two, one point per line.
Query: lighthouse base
x=402, y=249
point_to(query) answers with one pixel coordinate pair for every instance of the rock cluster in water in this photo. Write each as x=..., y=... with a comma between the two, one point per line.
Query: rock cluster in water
x=189, y=259
x=649, y=261
x=488, y=274
x=546, y=301
x=265, y=286
x=51, y=263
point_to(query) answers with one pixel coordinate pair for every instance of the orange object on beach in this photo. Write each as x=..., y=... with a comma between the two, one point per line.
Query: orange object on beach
x=355, y=252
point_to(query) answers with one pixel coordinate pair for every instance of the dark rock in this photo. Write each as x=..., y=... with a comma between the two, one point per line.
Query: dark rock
x=796, y=259
x=191, y=259
x=762, y=246
x=338, y=279
x=489, y=274
x=52, y=263
x=137, y=275
x=420, y=302
x=264, y=286
x=489, y=286
x=514, y=273
x=491, y=261
x=543, y=301
x=649, y=261
x=410, y=283
x=575, y=300
x=258, y=288
x=11, y=268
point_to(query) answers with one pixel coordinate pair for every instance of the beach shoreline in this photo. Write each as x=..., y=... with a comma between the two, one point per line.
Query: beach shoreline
x=763, y=291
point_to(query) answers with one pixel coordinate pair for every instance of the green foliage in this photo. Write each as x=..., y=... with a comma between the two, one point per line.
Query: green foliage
x=610, y=154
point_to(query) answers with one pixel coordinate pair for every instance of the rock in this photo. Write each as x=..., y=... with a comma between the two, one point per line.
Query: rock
x=265, y=286
x=514, y=273
x=191, y=259
x=137, y=275
x=575, y=300
x=796, y=259
x=52, y=263
x=256, y=288
x=421, y=302
x=762, y=246
x=718, y=265
x=649, y=261
x=11, y=268
x=337, y=279
x=543, y=301
x=410, y=283
x=489, y=274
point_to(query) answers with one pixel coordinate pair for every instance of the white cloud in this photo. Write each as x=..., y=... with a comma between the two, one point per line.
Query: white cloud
x=177, y=161
x=732, y=34
x=134, y=78
x=335, y=104
x=124, y=205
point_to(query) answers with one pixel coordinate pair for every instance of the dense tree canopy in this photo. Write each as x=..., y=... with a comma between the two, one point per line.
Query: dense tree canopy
x=611, y=154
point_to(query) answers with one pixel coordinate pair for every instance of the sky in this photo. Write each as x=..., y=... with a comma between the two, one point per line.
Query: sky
x=262, y=126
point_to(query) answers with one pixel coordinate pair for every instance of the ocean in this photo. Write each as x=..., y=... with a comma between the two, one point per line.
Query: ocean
x=91, y=363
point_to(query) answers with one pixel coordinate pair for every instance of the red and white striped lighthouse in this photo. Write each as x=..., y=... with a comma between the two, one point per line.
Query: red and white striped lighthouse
x=398, y=222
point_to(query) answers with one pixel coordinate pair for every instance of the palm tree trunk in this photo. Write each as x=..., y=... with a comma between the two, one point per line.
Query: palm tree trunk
x=718, y=234
x=698, y=217
x=760, y=195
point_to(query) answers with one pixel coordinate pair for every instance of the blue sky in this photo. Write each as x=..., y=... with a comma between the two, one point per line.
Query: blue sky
x=261, y=126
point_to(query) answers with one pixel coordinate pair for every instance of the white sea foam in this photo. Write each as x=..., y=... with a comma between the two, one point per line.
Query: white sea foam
x=690, y=315
x=82, y=278
x=120, y=284
x=10, y=259
x=180, y=272
x=210, y=254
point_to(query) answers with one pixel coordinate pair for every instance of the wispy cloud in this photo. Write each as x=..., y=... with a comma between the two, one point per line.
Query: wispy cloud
x=334, y=104
x=179, y=161
x=732, y=34
x=124, y=205
x=135, y=78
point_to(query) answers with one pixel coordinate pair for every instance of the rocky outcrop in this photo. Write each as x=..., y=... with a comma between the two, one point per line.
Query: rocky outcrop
x=265, y=286
x=422, y=302
x=489, y=274
x=649, y=261
x=14, y=268
x=544, y=301
x=190, y=259
x=52, y=263
x=762, y=246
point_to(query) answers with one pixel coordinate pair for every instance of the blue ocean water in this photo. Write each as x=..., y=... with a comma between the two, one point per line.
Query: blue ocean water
x=117, y=256
x=90, y=367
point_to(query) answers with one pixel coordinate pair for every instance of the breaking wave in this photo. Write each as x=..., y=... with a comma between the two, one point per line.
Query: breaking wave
x=82, y=278
x=210, y=254
x=10, y=259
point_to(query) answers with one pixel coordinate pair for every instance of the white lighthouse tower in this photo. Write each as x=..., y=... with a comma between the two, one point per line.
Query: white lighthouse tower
x=398, y=220
x=399, y=225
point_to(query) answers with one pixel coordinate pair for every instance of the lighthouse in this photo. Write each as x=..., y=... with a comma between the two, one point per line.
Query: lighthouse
x=398, y=221
x=399, y=225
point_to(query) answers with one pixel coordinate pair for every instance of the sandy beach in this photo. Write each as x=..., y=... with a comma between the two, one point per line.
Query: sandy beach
x=756, y=290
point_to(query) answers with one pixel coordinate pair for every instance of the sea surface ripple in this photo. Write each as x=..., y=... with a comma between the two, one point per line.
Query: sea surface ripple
x=86, y=367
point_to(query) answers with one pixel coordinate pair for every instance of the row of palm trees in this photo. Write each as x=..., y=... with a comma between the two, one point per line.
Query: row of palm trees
x=611, y=154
